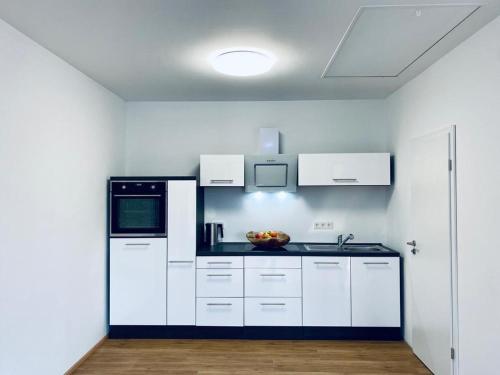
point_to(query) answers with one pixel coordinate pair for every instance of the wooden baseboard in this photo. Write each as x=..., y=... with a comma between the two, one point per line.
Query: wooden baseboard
x=78, y=363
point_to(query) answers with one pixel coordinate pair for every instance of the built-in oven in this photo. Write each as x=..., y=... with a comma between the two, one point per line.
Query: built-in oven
x=138, y=209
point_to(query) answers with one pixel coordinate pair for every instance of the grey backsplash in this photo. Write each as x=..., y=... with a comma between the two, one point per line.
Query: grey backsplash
x=352, y=209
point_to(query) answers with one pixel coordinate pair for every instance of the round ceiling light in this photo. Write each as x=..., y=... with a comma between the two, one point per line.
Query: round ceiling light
x=242, y=62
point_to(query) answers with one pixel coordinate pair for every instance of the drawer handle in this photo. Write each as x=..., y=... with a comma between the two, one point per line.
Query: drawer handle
x=345, y=179
x=219, y=262
x=137, y=244
x=221, y=181
x=180, y=261
x=273, y=304
x=220, y=275
x=272, y=274
x=219, y=304
x=375, y=263
x=326, y=262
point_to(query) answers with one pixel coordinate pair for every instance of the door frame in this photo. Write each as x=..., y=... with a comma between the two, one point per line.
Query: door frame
x=452, y=137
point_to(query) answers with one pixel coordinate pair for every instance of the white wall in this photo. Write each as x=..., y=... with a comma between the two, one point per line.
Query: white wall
x=166, y=138
x=60, y=137
x=463, y=88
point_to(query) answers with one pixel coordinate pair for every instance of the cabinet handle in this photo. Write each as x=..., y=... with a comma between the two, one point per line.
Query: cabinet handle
x=326, y=262
x=137, y=244
x=136, y=195
x=375, y=262
x=219, y=262
x=221, y=181
x=219, y=304
x=345, y=179
x=272, y=274
x=272, y=304
x=220, y=274
x=180, y=261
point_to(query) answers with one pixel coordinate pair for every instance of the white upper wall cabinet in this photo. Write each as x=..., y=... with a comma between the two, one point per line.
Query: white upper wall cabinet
x=344, y=169
x=222, y=170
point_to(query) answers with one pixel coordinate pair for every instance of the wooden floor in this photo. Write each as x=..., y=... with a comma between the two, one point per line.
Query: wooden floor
x=126, y=357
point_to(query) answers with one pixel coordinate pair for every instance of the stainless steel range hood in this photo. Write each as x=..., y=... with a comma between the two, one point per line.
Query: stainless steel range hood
x=270, y=171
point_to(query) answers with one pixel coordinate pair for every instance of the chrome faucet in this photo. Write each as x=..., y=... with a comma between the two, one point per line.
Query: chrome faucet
x=341, y=242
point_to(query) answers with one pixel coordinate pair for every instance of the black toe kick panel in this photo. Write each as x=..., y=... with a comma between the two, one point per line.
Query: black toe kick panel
x=267, y=333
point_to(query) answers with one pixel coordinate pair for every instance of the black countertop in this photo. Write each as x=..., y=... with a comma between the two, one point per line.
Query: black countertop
x=297, y=249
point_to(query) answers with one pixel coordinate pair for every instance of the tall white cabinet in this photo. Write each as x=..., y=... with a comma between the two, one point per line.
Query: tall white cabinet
x=181, y=270
x=138, y=281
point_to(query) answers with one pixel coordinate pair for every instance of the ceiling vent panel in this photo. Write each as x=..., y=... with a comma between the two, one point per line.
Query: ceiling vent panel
x=382, y=41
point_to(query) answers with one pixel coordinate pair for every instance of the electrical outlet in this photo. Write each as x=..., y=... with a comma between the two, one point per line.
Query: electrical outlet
x=323, y=225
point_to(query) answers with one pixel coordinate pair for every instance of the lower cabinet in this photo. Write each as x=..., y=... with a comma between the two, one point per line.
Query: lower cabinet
x=181, y=296
x=222, y=312
x=326, y=291
x=375, y=292
x=137, y=281
x=273, y=311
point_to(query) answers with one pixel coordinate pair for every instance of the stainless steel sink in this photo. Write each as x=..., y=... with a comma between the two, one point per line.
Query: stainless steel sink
x=321, y=247
x=331, y=247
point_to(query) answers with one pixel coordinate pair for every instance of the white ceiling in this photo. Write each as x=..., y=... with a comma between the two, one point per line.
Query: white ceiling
x=158, y=49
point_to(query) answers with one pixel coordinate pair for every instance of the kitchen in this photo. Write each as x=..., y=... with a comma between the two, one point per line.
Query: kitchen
x=65, y=135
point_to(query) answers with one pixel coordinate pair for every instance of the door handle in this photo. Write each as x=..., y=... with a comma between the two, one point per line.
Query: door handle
x=412, y=243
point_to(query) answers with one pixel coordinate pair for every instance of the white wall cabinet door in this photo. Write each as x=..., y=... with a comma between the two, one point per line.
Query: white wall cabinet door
x=222, y=170
x=375, y=291
x=326, y=291
x=344, y=169
x=138, y=272
x=181, y=293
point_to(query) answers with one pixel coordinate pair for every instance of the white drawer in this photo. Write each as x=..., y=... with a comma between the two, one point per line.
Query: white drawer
x=219, y=312
x=273, y=262
x=273, y=311
x=273, y=282
x=219, y=262
x=219, y=283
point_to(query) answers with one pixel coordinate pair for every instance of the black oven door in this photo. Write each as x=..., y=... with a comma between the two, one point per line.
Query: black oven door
x=138, y=214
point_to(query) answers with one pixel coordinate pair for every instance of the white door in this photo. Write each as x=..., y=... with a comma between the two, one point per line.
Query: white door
x=137, y=281
x=181, y=285
x=326, y=288
x=430, y=259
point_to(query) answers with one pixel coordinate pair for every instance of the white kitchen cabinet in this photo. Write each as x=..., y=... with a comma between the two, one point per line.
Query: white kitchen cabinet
x=272, y=262
x=219, y=282
x=137, y=281
x=181, y=219
x=222, y=170
x=344, y=169
x=273, y=311
x=181, y=284
x=181, y=294
x=326, y=291
x=273, y=282
x=375, y=291
x=211, y=262
x=219, y=312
